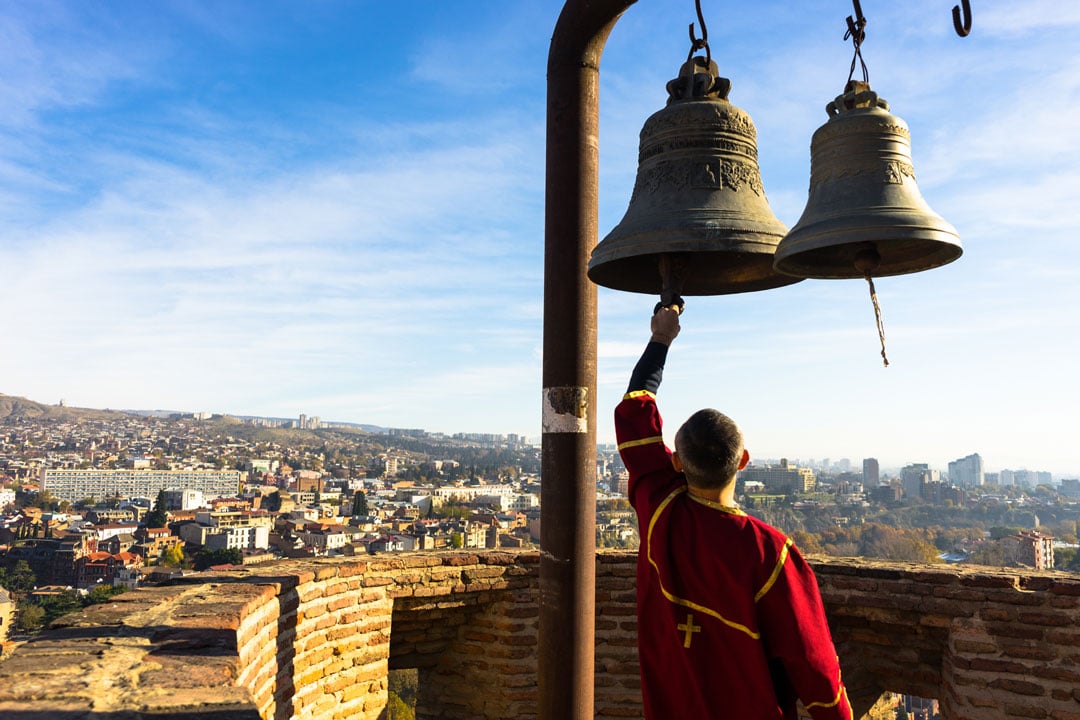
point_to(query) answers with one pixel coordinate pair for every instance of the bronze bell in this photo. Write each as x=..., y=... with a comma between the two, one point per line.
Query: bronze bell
x=698, y=199
x=865, y=214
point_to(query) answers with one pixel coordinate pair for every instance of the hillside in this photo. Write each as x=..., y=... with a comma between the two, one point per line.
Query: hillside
x=19, y=407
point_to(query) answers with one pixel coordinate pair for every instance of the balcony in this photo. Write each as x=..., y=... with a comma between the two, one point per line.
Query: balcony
x=316, y=639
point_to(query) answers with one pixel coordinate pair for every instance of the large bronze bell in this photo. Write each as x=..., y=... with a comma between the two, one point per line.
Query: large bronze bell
x=865, y=215
x=698, y=199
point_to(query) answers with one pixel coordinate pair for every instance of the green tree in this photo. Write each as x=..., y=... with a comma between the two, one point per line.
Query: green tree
x=223, y=556
x=457, y=540
x=102, y=593
x=1065, y=558
x=29, y=616
x=359, y=503
x=157, y=518
x=60, y=604
x=20, y=579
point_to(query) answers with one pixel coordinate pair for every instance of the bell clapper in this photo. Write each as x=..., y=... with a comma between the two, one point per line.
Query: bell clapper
x=868, y=260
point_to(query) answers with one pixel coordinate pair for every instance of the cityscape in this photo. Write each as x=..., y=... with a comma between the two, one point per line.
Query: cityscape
x=91, y=498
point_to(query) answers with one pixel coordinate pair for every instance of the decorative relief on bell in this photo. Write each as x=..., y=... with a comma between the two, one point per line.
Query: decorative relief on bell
x=896, y=171
x=698, y=199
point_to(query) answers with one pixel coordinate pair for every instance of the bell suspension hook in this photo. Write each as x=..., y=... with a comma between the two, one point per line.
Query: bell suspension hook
x=856, y=32
x=961, y=20
x=701, y=43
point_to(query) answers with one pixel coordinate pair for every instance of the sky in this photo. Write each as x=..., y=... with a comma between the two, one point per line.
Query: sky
x=336, y=208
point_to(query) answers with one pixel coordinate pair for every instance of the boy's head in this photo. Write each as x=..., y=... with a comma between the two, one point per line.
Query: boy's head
x=709, y=449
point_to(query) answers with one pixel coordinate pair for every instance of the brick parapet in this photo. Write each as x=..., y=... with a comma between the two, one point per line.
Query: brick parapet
x=316, y=639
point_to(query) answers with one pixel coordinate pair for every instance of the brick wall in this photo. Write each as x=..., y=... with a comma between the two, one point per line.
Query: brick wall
x=315, y=639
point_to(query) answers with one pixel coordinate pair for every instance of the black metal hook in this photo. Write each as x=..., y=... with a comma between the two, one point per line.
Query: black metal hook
x=856, y=25
x=962, y=24
x=702, y=42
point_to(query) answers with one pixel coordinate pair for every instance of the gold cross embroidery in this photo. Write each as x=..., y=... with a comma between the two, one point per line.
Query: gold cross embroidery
x=689, y=628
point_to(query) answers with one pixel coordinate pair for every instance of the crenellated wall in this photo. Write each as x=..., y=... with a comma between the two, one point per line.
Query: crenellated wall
x=315, y=639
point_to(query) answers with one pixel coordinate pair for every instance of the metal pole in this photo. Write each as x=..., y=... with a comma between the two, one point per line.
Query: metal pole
x=568, y=463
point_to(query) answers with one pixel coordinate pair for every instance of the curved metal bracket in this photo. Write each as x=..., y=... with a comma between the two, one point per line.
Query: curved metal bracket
x=961, y=19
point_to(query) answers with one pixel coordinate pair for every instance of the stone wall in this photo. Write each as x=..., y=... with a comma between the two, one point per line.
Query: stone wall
x=315, y=639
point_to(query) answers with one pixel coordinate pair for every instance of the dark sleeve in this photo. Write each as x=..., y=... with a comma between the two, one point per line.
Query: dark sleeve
x=649, y=369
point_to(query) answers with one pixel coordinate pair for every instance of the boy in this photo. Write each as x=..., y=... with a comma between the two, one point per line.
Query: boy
x=730, y=621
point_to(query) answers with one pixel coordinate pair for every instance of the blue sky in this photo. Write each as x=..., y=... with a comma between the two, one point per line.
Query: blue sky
x=336, y=208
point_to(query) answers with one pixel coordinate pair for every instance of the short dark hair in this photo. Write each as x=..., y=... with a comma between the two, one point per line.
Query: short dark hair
x=710, y=448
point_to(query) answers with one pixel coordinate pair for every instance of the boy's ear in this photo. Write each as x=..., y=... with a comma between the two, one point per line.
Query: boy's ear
x=745, y=459
x=676, y=462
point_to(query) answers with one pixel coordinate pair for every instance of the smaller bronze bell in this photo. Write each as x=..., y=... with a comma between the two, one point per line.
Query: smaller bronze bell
x=865, y=214
x=698, y=200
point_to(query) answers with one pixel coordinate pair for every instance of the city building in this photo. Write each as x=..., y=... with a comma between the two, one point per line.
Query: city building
x=1031, y=548
x=75, y=485
x=967, y=472
x=871, y=473
x=7, y=613
x=913, y=477
x=783, y=478
x=187, y=499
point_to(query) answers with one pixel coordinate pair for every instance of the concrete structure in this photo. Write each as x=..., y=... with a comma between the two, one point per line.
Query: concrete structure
x=1030, y=548
x=316, y=639
x=75, y=485
x=7, y=614
x=783, y=478
x=871, y=473
x=913, y=477
x=967, y=472
x=186, y=499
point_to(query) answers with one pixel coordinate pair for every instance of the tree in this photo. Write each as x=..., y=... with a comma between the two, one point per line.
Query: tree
x=157, y=518
x=29, y=616
x=223, y=556
x=102, y=593
x=60, y=604
x=173, y=556
x=359, y=503
x=457, y=540
x=20, y=579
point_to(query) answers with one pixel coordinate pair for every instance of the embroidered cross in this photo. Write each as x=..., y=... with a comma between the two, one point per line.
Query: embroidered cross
x=689, y=628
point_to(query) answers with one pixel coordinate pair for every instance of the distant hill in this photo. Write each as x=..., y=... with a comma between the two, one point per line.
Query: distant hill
x=20, y=407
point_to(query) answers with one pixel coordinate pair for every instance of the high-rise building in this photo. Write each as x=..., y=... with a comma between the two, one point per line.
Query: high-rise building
x=871, y=473
x=913, y=477
x=967, y=472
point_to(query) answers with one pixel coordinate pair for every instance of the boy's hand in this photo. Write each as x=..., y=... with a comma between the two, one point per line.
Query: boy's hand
x=665, y=324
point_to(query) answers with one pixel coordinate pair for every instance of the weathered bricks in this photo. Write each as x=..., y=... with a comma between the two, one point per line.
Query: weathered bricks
x=316, y=639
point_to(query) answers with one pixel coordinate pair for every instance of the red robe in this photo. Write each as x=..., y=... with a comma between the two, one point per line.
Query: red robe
x=730, y=620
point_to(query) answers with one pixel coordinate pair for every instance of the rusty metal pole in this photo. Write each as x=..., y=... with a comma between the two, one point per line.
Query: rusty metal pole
x=568, y=462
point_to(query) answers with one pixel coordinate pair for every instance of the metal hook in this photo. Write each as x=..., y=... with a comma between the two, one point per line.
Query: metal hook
x=856, y=25
x=702, y=42
x=962, y=25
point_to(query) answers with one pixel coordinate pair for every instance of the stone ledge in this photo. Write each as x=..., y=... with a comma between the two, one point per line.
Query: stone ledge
x=962, y=634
